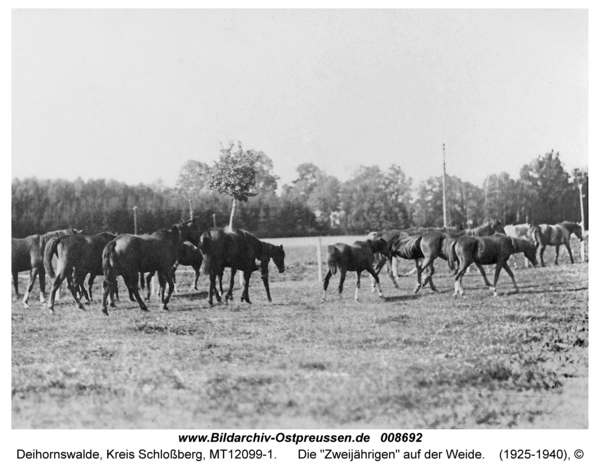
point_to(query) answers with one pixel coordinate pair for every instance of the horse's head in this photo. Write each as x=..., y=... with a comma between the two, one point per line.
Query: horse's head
x=278, y=257
x=576, y=229
x=377, y=244
x=498, y=226
x=189, y=231
x=531, y=251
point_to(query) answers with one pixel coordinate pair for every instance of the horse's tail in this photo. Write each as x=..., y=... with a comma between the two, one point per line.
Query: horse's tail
x=333, y=258
x=451, y=254
x=109, y=260
x=49, y=251
x=205, y=247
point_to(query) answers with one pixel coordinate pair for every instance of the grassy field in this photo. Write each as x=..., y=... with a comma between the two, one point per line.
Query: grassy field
x=405, y=361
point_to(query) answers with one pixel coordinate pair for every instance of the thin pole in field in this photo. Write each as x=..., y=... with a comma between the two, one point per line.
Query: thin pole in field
x=582, y=250
x=135, y=220
x=444, y=184
x=319, y=261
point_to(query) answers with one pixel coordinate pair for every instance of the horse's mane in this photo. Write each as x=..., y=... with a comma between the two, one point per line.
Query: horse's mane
x=570, y=226
x=480, y=230
x=49, y=235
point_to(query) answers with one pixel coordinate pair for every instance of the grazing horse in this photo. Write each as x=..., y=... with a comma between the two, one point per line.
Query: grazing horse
x=267, y=253
x=237, y=250
x=129, y=255
x=270, y=252
x=28, y=254
x=357, y=257
x=79, y=253
x=557, y=234
x=487, y=251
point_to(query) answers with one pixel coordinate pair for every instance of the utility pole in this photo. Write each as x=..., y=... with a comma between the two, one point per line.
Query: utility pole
x=580, y=185
x=135, y=220
x=444, y=184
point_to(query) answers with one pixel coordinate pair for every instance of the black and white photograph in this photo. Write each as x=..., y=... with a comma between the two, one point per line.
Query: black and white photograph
x=347, y=220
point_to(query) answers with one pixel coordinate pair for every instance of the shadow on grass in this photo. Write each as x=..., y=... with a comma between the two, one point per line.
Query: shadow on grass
x=405, y=297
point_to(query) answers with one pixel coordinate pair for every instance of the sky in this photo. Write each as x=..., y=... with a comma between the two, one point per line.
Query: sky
x=132, y=95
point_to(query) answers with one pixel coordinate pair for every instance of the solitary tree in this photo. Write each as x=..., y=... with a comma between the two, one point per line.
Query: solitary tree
x=234, y=174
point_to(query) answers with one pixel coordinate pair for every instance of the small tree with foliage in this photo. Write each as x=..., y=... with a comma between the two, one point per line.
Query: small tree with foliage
x=234, y=174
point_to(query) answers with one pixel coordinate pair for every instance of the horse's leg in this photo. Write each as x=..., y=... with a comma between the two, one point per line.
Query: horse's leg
x=147, y=283
x=390, y=271
x=168, y=277
x=42, y=274
x=342, y=279
x=197, y=270
x=542, y=249
x=32, y=275
x=357, y=285
x=229, y=294
x=482, y=271
x=419, y=272
x=173, y=270
x=568, y=246
x=246, y=287
x=109, y=286
x=265, y=279
x=512, y=277
x=556, y=259
x=429, y=278
x=132, y=284
x=90, y=284
x=376, y=278
x=326, y=284
x=15, y=277
x=499, y=266
x=73, y=288
x=464, y=264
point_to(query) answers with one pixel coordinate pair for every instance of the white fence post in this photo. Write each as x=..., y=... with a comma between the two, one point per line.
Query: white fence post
x=319, y=261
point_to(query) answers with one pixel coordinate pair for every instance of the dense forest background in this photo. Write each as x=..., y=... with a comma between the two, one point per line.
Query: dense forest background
x=314, y=204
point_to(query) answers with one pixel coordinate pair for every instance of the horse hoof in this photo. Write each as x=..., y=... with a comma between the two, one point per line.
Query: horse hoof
x=81, y=308
x=165, y=308
x=105, y=311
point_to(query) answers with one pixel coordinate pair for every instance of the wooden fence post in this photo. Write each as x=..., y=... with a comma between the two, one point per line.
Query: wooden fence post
x=319, y=261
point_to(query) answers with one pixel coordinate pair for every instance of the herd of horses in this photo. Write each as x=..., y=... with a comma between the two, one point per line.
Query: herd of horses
x=137, y=258
x=487, y=244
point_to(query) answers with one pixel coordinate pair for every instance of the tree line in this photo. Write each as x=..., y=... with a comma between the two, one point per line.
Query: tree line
x=315, y=203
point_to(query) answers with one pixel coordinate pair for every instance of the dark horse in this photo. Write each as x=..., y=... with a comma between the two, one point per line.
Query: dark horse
x=129, y=255
x=358, y=257
x=79, y=253
x=237, y=250
x=28, y=254
x=390, y=236
x=270, y=252
x=487, y=251
x=267, y=253
x=188, y=255
x=557, y=234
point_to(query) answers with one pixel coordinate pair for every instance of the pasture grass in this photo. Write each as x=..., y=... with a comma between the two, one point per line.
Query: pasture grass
x=406, y=361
